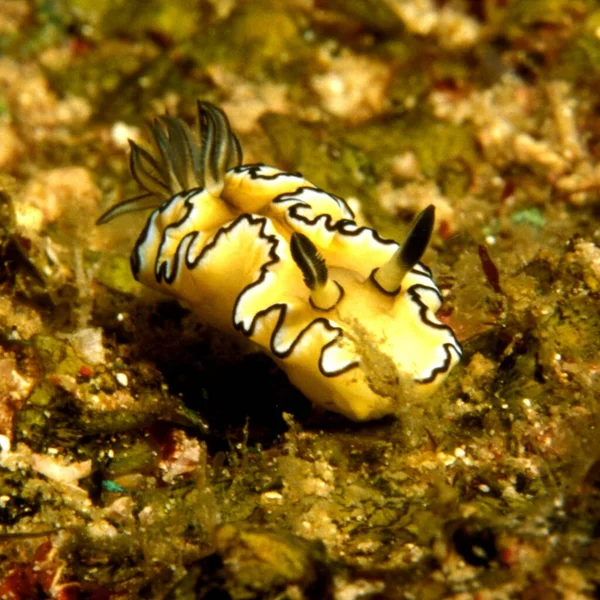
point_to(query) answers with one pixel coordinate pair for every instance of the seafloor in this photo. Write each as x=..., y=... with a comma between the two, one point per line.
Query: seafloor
x=144, y=455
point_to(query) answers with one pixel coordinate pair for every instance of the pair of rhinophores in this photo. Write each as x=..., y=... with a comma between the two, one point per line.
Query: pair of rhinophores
x=347, y=314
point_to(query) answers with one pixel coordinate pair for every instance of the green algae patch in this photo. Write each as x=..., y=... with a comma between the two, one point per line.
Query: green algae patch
x=320, y=155
x=326, y=157
x=371, y=14
x=97, y=75
x=49, y=418
x=57, y=354
x=527, y=16
x=263, y=561
x=114, y=272
x=454, y=177
x=140, y=456
x=580, y=60
x=49, y=28
x=175, y=20
x=433, y=141
x=257, y=40
x=409, y=84
x=118, y=411
x=532, y=216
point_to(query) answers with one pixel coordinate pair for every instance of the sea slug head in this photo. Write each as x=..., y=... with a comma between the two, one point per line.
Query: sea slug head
x=391, y=347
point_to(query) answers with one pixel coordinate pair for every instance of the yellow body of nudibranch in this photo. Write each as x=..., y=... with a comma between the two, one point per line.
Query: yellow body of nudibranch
x=348, y=315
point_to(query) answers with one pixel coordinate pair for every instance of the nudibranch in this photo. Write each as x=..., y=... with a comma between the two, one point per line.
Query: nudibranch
x=348, y=315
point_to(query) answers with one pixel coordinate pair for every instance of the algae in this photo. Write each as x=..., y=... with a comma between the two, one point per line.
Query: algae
x=434, y=142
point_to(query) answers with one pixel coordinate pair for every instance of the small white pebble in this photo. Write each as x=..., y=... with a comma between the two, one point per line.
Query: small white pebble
x=122, y=379
x=504, y=406
x=121, y=132
x=4, y=443
x=459, y=452
x=484, y=488
x=271, y=498
x=120, y=317
x=273, y=495
x=527, y=402
x=52, y=451
x=51, y=256
x=405, y=165
x=447, y=459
